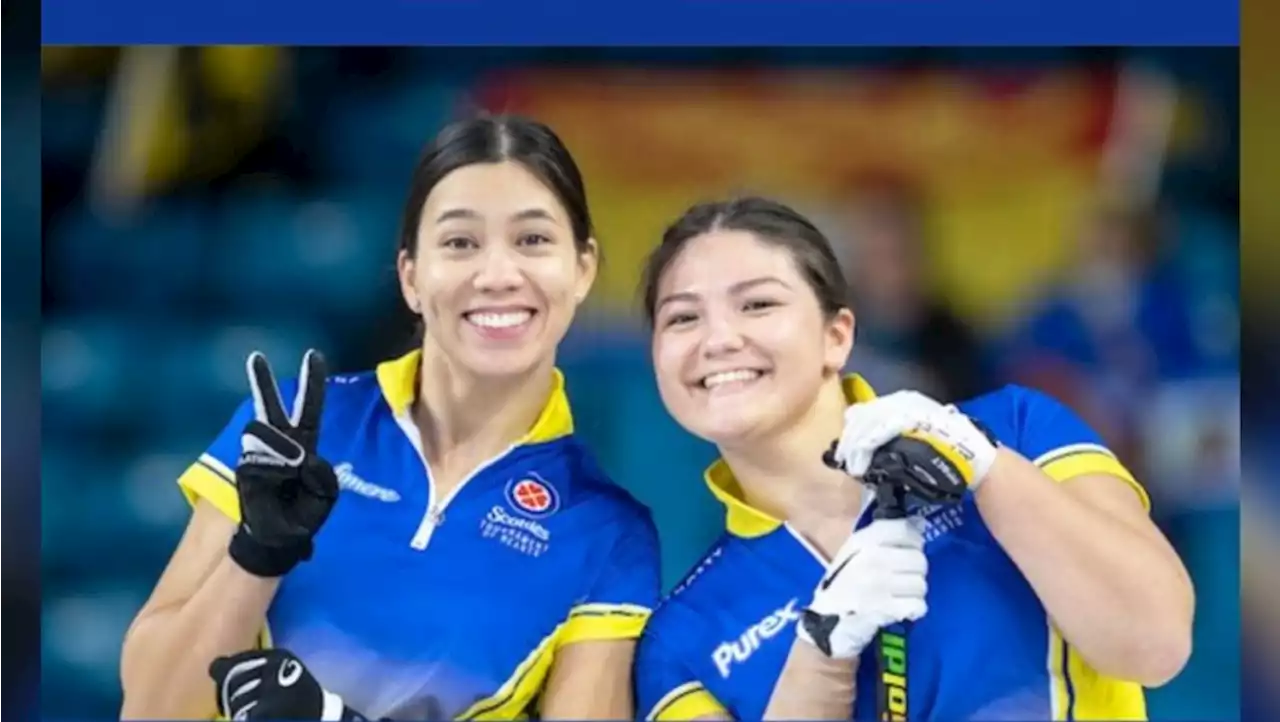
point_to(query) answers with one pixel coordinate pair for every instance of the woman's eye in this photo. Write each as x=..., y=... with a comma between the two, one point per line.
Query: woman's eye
x=458, y=243
x=758, y=305
x=534, y=239
x=676, y=319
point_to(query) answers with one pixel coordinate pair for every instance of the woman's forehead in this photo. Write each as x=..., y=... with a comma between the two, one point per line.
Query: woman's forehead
x=722, y=258
x=491, y=189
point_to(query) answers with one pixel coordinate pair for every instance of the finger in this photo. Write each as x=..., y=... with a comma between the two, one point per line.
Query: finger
x=896, y=534
x=221, y=667
x=309, y=400
x=267, y=405
x=902, y=561
x=904, y=609
x=910, y=586
x=228, y=669
x=245, y=688
x=263, y=444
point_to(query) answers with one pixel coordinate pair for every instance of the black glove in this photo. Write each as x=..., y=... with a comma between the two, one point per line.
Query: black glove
x=286, y=491
x=273, y=684
x=911, y=471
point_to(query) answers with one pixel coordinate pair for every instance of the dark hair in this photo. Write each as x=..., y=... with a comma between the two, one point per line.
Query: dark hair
x=772, y=222
x=493, y=139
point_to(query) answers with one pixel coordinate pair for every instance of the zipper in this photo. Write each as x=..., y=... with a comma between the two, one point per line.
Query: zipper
x=434, y=515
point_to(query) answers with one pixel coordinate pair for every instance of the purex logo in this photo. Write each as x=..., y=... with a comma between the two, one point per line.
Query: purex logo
x=740, y=650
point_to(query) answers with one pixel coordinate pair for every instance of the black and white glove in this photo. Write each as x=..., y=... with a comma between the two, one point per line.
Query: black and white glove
x=934, y=451
x=286, y=491
x=273, y=684
x=877, y=578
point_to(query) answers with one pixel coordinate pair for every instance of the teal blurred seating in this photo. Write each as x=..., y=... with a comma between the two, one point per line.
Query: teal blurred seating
x=150, y=263
x=333, y=253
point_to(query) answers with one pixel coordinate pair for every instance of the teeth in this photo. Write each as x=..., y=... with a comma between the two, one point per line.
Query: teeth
x=728, y=377
x=499, y=320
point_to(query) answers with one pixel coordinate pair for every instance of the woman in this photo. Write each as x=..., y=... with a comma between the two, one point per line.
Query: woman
x=476, y=559
x=751, y=328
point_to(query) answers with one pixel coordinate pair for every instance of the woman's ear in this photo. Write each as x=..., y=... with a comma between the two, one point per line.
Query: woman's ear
x=839, y=342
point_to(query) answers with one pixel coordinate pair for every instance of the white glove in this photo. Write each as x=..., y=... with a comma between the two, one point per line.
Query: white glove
x=872, y=424
x=876, y=579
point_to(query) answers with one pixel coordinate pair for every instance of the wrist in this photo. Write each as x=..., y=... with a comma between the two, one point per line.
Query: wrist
x=806, y=655
x=997, y=475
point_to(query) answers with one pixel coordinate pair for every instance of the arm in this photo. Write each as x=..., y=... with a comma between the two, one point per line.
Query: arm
x=665, y=687
x=591, y=681
x=813, y=686
x=187, y=623
x=250, y=526
x=1112, y=584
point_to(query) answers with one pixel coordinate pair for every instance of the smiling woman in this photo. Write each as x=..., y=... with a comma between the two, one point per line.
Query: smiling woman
x=495, y=255
x=1047, y=593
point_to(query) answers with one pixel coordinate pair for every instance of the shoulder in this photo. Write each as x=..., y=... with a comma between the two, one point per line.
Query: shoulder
x=706, y=582
x=588, y=483
x=1027, y=419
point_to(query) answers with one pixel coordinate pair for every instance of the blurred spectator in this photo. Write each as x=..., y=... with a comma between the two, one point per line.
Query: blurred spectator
x=907, y=337
x=1115, y=324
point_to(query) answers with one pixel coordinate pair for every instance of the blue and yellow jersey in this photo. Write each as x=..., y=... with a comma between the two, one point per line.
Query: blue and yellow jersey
x=986, y=649
x=415, y=607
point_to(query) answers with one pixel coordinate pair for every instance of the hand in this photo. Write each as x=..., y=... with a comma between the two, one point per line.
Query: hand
x=286, y=491
x=272, y=684
x=968, y=450
x=876, y=579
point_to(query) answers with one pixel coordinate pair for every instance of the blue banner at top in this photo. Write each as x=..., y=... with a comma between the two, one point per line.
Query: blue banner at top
x=643, y=22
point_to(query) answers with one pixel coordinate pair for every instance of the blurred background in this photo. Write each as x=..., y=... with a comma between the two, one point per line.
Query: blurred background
x=1065, y=219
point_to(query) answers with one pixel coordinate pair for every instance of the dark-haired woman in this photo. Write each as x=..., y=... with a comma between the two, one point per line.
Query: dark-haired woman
x=427, y=540
x=1047, y=593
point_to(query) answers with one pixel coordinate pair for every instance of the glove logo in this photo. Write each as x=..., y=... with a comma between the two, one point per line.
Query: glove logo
x=532, y=496
x=290, y=672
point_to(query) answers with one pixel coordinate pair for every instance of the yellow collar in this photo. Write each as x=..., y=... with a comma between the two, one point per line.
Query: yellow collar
x=398, y=379
x=742, y=519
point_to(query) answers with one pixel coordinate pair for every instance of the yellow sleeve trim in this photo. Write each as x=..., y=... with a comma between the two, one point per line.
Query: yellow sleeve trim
x=205, y=480
x=689, y=701
x=1071, y=461
x=598, y=622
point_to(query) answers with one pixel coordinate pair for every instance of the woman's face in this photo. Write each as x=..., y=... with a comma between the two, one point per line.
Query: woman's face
x=740, y=345
x=496, y=277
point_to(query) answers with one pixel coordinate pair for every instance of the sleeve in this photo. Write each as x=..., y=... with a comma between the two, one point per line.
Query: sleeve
x=212, y=476
x=625, y=590
x=1062, y=444
x=665, y=689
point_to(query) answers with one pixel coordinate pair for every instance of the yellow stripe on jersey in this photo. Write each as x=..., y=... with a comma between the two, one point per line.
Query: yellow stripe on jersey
x=689, y=701
x=599, y=622
x=513, y=698
x=211, y=480
x=398, y=379
x=1078, y=692
x=1074, y=460
x=586, y=622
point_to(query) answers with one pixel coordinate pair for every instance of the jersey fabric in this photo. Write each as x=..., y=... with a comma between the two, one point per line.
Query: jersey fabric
x=417, y=607
x=986, y=649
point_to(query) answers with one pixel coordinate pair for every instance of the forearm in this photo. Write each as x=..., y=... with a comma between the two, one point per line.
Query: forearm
x=813, y=686
x=1118, y=595
x=166, y=657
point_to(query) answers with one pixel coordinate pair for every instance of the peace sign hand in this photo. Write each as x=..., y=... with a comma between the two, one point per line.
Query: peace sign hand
x=286, y=491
